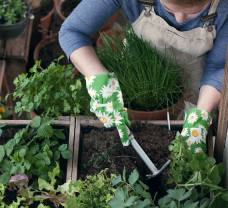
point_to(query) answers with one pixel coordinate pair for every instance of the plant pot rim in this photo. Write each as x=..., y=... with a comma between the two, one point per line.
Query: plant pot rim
x=23, y=20
x=44, y=42
x=58, y=6
x=155, y=114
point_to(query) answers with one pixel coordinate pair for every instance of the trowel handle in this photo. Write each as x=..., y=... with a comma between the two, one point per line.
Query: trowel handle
x=143, y=156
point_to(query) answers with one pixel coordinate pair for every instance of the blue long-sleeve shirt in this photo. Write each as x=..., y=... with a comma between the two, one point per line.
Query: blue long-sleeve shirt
x=88, y=17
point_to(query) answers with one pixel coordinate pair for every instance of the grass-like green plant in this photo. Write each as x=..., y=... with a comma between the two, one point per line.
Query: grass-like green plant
x=148, y=79
x=12, y=11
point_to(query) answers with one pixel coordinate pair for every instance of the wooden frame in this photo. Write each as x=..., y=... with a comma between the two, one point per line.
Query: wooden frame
x=223, y=118
x=68, y=122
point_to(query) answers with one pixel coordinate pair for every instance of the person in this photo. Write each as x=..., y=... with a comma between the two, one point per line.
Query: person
x=194, y=31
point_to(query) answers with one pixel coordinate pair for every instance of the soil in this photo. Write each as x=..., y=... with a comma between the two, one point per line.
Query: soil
x=101, y=148
x=68, y=6
x=51, y=52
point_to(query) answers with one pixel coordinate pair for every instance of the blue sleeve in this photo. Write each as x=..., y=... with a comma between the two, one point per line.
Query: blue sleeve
x=85, y=20
x=214, y=67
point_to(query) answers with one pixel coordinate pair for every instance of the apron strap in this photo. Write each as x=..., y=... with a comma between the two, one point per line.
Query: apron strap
x=213, y=8
x=209, y=20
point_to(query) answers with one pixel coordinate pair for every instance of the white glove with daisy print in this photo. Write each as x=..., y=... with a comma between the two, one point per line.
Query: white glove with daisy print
x=107, y=103
x=196, y=124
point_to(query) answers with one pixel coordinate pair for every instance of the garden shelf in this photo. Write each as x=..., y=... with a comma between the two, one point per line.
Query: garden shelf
x=67, y=122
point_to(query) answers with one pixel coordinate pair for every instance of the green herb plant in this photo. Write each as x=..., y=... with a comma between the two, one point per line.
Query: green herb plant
x=196, y=178
x=12, y=11
x=51, y=92
x=32, y=151
x=131, y=192
x=148, y=79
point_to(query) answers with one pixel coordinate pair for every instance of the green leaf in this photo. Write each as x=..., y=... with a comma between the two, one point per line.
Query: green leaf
x=2, y=152
x=134, y=176
x=44, y=185
x=130, y=201
x=63, y=147
x=116, y=180
x=36, y=122
x=59, y=134
x=4, y=178
x=22, y=152
x=66, y=154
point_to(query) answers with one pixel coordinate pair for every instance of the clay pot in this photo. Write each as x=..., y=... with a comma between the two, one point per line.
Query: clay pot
x=174, y=111
x=45, y=21
x=53, y=51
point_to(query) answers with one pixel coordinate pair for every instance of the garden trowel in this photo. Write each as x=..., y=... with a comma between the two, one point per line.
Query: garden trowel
x=145, y=158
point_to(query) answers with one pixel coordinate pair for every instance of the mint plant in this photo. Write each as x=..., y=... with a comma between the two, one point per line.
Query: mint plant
x=131, y=192
x=52, y=92
x=32, y=151
x=12, y=11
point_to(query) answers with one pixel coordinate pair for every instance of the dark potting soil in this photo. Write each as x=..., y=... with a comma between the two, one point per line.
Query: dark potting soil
x=101, y=148
x=51, y=52
x=68, y=6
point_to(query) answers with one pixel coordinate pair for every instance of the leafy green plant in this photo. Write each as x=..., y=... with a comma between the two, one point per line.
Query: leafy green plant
x=197, y=180
x=52, y=92
x=12, y=11
x=131, y=192
x=148, y=79
x=32, y=151
x=95, y=192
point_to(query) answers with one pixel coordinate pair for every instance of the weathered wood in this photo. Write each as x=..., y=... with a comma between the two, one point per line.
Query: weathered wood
x=76, y=148
x=223, y=118
x=91, y=121
x=64, y=123
x=71, y=148
x=2, y=74
x=18, y=48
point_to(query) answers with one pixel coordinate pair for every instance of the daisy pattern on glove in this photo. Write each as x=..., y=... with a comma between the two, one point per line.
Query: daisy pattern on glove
x=107, y=103
x=196, y=124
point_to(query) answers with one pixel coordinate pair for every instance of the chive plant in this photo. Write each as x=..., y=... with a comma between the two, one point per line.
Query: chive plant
x=148, y=79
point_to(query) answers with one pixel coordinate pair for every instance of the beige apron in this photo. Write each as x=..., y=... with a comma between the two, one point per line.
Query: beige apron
x=188, y=47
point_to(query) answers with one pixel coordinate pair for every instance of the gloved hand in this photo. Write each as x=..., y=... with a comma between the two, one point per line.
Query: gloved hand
x=107, y=103
x=196, y=124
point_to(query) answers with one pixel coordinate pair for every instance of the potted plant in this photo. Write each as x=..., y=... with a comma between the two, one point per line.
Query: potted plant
x=13, y=18
x=53, y=91
x=150, y=81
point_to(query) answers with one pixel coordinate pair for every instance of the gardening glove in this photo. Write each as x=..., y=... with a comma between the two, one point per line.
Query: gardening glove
x=107, y=103
x=196, y=124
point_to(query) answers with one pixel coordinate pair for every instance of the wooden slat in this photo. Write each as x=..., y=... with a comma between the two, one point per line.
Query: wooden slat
x=223, y=118
x=76, y=148
x=26, y=122
x=2, y=74
x=91, y=121
x=71, y=148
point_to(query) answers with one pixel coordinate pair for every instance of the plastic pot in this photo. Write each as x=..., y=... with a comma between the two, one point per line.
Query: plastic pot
x=12, y=31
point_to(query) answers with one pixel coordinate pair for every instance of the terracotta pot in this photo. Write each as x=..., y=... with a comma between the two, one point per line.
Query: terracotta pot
x=174, y=111
x=45, y=22
x=106, y=26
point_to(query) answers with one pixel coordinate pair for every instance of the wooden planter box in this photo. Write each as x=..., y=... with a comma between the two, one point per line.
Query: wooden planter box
x=84, y=122
x=66, y=122
x=88, y=122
